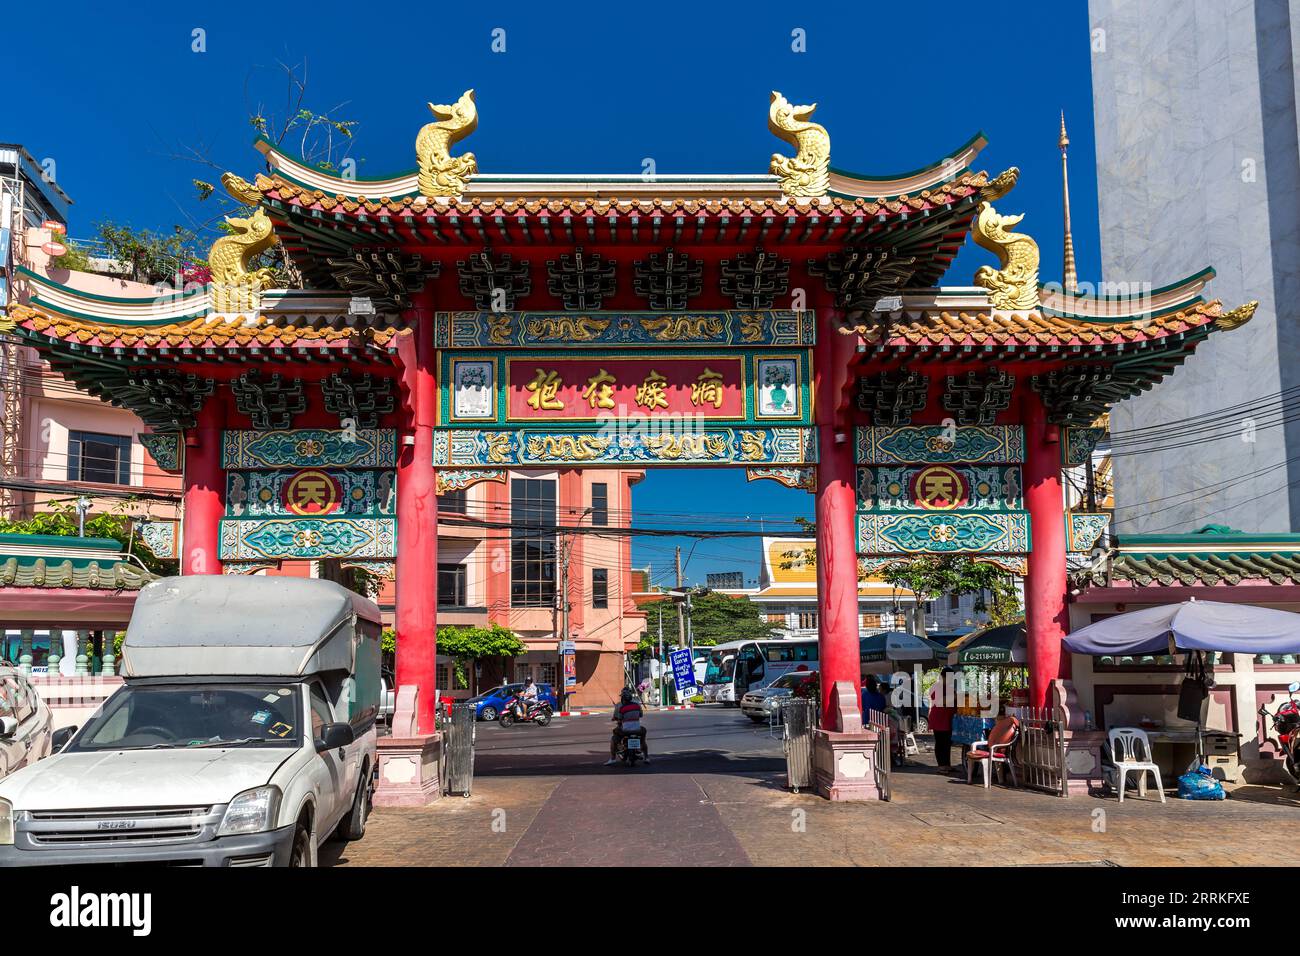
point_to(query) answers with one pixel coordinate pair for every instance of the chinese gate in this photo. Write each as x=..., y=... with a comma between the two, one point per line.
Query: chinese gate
x=448, y=327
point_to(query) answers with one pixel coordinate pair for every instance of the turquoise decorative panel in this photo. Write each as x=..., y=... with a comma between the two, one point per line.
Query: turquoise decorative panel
x=1084, y=529
x=159, y=537
x=778, y=327
x=940, y=444
x=972, y=487
x=313, y=492
x=253, y=539
x=165, y=448
x=310, y=447
x=1079, y=444
x=637, y=446
x=946, y=532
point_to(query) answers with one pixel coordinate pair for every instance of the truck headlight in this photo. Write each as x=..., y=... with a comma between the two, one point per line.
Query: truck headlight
x=6, y=823
x=252, y=811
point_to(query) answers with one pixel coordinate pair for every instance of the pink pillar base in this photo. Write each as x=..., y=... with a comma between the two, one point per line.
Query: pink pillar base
x=408, y=771
x=844, y=765
x=844, y=760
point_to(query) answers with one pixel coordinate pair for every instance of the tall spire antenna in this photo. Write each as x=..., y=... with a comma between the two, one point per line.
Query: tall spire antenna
x=1071, y=277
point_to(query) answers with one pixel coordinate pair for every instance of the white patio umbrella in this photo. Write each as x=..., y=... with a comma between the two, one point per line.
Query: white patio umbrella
x=1191, y=626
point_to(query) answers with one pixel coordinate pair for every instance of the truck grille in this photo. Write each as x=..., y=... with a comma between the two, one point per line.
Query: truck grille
x=154, y=825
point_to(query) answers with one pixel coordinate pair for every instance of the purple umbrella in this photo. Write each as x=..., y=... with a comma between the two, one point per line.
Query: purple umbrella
x=1191, y=626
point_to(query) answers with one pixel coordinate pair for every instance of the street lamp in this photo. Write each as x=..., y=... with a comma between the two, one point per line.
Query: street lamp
x=83, y=506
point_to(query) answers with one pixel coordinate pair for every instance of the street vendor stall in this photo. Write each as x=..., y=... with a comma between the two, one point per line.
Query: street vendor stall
x=1195, y=629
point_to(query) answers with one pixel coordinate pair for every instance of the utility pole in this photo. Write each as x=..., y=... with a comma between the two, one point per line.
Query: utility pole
x=662, y=686
x=681, y=626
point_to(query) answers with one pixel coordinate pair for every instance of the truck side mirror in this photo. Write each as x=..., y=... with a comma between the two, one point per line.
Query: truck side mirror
x=8, y=727
x=59, y=739
x=333, y=736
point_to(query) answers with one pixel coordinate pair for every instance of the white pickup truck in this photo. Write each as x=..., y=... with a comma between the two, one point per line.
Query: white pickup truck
x=244, y=734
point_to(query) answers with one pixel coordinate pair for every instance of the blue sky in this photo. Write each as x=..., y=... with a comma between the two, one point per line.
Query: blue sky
x=580, y=87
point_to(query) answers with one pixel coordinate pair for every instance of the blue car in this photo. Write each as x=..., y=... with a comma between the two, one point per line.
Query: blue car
x=487, y=706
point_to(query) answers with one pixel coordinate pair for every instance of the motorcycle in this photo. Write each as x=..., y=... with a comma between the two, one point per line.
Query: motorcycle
x=629, y=749
x=1286, y=724
x=525, y=710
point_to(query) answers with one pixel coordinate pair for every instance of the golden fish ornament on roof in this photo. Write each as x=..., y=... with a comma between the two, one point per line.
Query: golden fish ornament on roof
x=1013, y=287
x=442, y=174
x=234, y=287
x=806, y=174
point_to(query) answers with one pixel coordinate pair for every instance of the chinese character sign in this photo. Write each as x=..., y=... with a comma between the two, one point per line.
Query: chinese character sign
x=569, y=389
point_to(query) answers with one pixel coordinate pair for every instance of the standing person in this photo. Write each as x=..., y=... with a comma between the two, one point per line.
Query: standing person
x=942, y=709
x=872, y=698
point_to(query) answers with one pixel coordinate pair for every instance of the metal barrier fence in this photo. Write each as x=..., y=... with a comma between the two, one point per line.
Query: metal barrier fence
x=884, y=762
x=1040, y=750
x=459, y=730
x=799, y=718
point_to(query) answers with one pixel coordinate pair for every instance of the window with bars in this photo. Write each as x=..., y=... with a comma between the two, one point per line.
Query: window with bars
x=546, y=674
x=103, y=459
x=532, y=542
x=807, y=620
x=600, y=503
x=599, y=587
x=451, y=585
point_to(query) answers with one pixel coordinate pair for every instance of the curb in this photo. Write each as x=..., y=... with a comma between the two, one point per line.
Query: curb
x=676, y=707
x=577, y=713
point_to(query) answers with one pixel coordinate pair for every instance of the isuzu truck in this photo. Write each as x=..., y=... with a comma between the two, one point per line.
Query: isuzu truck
x=244, y=734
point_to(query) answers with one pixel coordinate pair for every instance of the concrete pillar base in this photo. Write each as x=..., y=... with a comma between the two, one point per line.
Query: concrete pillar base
x=1083, y=761
x=844, y=765
x=408, y=771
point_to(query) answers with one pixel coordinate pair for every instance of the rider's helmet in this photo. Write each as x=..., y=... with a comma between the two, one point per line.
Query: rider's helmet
x=626, y=696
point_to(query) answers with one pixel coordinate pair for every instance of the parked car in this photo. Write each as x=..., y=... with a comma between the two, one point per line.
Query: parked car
x=489, y=703
x=244, y=734
x=759, y=705
x=25, y=722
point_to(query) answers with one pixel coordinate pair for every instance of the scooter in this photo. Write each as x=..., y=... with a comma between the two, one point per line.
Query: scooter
x=522, y=710
x=1286, y=723
x=629, y=749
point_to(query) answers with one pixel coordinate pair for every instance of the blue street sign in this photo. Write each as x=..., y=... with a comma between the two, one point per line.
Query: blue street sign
x=683, y=670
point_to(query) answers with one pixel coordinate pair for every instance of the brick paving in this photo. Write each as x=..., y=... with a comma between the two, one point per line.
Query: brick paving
x=711, y=806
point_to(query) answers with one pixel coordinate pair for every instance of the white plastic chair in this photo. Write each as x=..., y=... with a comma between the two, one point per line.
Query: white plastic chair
x=1124, y=743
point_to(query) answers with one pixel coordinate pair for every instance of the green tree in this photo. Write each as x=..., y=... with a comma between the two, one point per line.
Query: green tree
x=464, y=644
x=930, y=576
x=715, y=619
x=61, y=520
x=150, y=256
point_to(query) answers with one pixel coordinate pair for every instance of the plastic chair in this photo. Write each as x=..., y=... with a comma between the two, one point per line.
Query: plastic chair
x=995, y=751
x=1124, y=742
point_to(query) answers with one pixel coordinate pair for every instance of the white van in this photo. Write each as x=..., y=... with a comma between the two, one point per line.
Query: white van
x=244, y=734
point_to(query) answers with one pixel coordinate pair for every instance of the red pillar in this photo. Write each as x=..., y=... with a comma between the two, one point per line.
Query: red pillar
x=1045, y=583
x=205, y=491
x=837, y=558
x=417, y=527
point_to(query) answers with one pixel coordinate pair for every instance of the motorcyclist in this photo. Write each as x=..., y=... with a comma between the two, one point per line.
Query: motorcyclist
x=627, y=717
x=526, y=699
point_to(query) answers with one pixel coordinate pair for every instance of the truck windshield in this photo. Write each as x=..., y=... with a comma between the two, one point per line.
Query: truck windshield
x=167, y=716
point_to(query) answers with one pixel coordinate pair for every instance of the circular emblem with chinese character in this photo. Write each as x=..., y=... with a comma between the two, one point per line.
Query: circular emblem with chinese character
x=312, y=492
x=939, y=488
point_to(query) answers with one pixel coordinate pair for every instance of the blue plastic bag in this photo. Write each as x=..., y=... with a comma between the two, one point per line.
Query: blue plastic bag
x=1200, y=785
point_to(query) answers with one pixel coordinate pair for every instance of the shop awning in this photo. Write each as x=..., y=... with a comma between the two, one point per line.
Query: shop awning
x=999, y=646
x=899, y=646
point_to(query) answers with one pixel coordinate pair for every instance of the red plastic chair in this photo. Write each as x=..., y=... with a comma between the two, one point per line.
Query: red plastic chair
x=995, y=751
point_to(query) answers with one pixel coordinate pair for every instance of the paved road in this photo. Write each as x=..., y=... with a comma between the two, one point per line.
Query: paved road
x=708, y=738
x=654, y=814
x=714, y=795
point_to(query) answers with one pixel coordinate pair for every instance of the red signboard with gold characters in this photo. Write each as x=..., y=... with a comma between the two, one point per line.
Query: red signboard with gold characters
x=578, y=389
